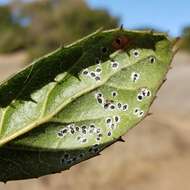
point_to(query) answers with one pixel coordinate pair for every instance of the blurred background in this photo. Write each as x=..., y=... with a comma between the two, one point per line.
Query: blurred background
x=156, y=153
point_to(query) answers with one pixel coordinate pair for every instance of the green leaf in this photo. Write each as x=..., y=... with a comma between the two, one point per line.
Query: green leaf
x=69, y=105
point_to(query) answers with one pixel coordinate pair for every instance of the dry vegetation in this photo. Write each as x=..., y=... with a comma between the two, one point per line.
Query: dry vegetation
x=156, y=152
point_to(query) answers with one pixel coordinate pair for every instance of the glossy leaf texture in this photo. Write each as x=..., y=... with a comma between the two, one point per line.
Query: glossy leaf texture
x=69, y=105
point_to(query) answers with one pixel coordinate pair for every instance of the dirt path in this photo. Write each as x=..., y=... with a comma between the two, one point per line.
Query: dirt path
x=9, y=64
x=155, y=156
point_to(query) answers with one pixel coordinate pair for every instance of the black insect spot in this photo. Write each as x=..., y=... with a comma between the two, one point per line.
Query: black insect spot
x=136, y=53
x=100, y=101
x=81, y=155
x=72, y=131
x=98, y=130
x=66, y=156
x=152, y=60
x=98, y=70
x=92, y=126
x=114, y=94
x=100, y=135
x=112, y=106
x=109, y=133
x=92, y=74
x=98, y=138
x=60, y=134
x=99, y=95
x=136, y=110
x=119, y=105
x=97, y=61
x=96, y=145
x=97, y=78
x=84, y=131
x=140, y=97
x=64, y=131
x=84, y=140
x=125, y=107
x=96, y=149
x=104, y=49
x=83, y=126
x=108, y=120
x=106, y=105
x=112, y=126
x=114, y=64
x=77, y=128
x=135, y=76
x=116, y=118
x=85, y=72
x=148, y=93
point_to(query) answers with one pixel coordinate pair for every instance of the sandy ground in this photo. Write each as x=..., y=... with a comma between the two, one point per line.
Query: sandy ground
x=10, y=64
x=155, y=155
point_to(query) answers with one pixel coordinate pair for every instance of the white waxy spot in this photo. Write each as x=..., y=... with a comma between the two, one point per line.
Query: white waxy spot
x=98, y=70
x=119, y=105
x=100, y=100
x=152, y=59
x=136, y=53
x=98, y=94
x=135, y=76
x=114, y=64
x=114, y=93
x=92, y=74
x=143, y=93
x=125, y=107
x=97, y=78
x=140, y=97
x=141, y=113
x=108, y=120
x=92, y=129
x=98, y=130
x=138, y=112
x=85, y=72
x=112, y=126
x=112, y=106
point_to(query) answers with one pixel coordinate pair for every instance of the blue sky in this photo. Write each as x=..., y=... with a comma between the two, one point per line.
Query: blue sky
x=168, y=15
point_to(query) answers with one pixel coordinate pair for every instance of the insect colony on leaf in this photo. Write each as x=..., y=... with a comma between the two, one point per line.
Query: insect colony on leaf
x=79, y=100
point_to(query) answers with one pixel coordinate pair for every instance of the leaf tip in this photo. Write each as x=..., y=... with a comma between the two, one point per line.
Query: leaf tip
x=176, y=43
x=121, y=139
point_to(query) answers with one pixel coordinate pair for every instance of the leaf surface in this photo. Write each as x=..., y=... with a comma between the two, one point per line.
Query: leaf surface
x=69, y=105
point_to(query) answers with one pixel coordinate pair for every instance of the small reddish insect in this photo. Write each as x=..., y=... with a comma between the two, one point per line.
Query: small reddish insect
x=120, y=42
